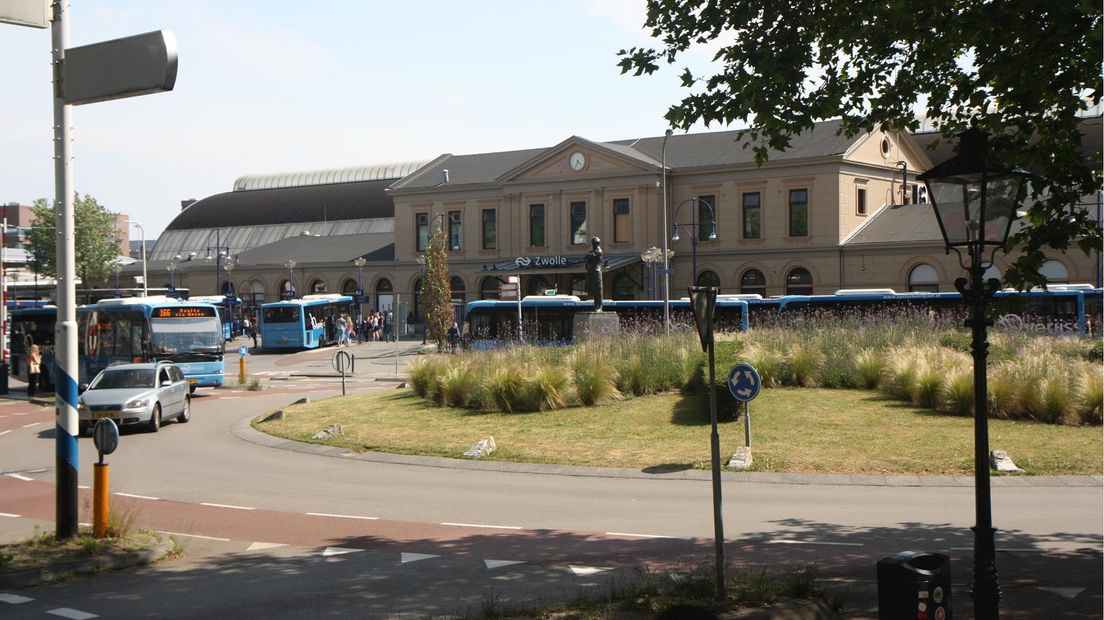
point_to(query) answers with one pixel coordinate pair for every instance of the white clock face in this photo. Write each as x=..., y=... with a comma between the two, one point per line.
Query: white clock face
x=577, y=161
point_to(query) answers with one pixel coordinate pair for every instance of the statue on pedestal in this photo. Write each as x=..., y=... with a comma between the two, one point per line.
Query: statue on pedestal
x=593, y=263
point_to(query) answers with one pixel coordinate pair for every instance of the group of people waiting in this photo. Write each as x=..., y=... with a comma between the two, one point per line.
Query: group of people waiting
x=374, y=326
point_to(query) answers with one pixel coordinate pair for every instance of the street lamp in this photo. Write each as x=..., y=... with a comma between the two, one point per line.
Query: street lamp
x=145, y=286
x=360, y=262
x=171, y=267
x=290, y=264
x=666, y=254
x=117, y=268
x=420, y=299
x=975, y=200
x=219, y=251
x=692, y=230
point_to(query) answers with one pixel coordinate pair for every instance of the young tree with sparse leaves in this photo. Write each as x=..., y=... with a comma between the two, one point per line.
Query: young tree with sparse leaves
x=436, y=292
x=96, y=240
x=1022, y=70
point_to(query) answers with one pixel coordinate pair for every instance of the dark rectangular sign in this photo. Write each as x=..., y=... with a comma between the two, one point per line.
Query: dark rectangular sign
x=127, y=67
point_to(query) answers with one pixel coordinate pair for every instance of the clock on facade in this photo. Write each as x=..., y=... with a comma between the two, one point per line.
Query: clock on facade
x=577, y=161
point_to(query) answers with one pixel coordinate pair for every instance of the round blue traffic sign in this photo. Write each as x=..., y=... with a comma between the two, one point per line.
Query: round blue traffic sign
x=744, y=382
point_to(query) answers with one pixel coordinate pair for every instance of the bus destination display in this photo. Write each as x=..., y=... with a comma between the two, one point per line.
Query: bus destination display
x=182, y=312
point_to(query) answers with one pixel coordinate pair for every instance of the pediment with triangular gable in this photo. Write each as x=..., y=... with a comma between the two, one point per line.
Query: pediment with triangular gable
x=886, y=148
x=579, y=158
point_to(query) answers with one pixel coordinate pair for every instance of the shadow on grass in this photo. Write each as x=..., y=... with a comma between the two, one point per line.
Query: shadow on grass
x=667, y=468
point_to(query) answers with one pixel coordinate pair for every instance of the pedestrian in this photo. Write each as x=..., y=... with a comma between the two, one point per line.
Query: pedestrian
x=454, y=338
x=251, y=331
x=410, y=323
x=34, y=367
x=342, y=331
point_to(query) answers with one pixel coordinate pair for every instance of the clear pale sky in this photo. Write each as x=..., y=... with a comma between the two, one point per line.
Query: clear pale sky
x=275, y=86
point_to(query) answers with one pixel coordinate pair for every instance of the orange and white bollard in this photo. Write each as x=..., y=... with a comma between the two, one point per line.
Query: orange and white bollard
x=100, y=500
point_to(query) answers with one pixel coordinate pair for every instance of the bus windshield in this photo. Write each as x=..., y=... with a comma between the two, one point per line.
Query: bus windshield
x=185, y=337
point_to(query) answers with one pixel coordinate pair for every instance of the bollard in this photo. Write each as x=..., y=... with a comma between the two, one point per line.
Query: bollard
x=100, y=500
x=241, y=370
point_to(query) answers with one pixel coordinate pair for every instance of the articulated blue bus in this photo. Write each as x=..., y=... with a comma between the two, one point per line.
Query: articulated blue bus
x=306, y=323
x=549, y=320
x=143, y=329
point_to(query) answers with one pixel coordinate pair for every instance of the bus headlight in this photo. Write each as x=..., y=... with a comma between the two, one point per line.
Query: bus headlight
x=138, y=403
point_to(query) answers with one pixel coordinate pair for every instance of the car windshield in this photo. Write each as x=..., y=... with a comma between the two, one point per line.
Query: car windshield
x=123, y=378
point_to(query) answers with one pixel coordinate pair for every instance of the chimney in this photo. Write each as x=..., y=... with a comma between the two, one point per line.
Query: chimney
x=184, y=204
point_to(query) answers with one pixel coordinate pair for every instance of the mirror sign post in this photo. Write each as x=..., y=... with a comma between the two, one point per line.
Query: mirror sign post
x=106, y=437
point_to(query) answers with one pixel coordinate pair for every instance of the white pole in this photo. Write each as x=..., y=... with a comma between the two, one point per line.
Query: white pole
x=4, y=290
x=65, y=330
x=663, y=233
x=395, y=329
x=145, y=285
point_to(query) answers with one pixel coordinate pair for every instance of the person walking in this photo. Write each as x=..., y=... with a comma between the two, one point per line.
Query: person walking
x=342, y=331
x=34, y=367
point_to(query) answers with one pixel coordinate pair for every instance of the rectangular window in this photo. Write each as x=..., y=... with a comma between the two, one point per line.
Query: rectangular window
x=752, y=216
x=490, y=229
x=578, y=223
x=707, y=217
x=421, y=231
x=860, y=201
x=536, y=225
x=454, y=230
x=799, y=212
x=622, y=223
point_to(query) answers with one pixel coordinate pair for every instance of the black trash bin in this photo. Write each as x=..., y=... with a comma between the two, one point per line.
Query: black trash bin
x=4, y=370
x=914, y=584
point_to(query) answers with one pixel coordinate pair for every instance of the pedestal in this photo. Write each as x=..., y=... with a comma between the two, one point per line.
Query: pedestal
x=590, y=325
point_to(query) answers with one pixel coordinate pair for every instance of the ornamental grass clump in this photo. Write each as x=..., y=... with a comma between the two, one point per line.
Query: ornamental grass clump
x=870, y=367
x=424, y=375
x=1090, y=394
x=957, y=393
x=900, y=375
x=805, y=362
x=459, y=385
x=502, y=389
x=546, y=387
x=771, y=364
x=594, y=377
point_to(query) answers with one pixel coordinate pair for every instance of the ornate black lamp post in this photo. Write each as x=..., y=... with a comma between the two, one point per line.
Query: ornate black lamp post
x=290, y=264
x=692, y=229
x=975, y=200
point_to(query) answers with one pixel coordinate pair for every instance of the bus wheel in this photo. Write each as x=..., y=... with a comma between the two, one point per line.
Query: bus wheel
x=155, y=419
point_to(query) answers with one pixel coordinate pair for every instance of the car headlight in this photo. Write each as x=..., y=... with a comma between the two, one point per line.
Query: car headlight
x=81, y=407
x=138, y=403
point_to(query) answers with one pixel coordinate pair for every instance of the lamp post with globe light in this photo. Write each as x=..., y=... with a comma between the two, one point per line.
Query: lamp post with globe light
x=290, y=264
x=692, y=230
x=975, y=199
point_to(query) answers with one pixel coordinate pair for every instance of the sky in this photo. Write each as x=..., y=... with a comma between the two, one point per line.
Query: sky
x=276, y=86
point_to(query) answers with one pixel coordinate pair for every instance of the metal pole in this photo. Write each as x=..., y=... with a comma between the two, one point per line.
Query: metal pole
x=395, y=329
x=4, y=289
x=145, y=284
x=65, y=329
x=715, y=455
x=693, y=241
x=666, y=265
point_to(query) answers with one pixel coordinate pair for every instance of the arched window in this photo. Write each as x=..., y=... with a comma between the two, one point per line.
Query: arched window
x=799, y=282
x=752, y=282
x=624, y=287
x=227, y=287
x=384, y=298
x=1055, y=272
x=253, y=294
x=709, y=278
x=349, y=286
x=458, y=290
x=488, y=289
x=418, y=298
x=923, y=278
x=317, y=287
x=383, y=286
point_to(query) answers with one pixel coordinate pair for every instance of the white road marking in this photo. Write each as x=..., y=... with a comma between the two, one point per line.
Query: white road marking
x=586, y=571
x=19, y=477
x=626, y=534
x=489, y=527
x=14, y=599
x=406, y=558
x=8, y=514
x=5, y=432
x=326, y=514
x=787, y=541
x=228, y=397
x=493, y=564
x=71, y=614
x=1069, y=593
x=257, y=546
x=193, y=536
x=226, y=506
x=136, y=496
x=31, y=424
x=83, y=486
x=332, y=551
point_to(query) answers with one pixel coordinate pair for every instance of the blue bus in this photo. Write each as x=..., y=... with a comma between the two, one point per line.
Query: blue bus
x=143, y=329
x=549, y=320
x=305, y=323
x=33, y=325
x=225, y=307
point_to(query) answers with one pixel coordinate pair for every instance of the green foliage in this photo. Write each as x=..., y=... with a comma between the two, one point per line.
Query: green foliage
x=958, y=391
x=458, y=385
x=95, y=239
x=436, y=291
x=423, y=375
x=503, y=389
x=547, y=387
x=1090, y=394
x=805, y=362
x=870, y=368
x=1020, y=70
x=594, y=380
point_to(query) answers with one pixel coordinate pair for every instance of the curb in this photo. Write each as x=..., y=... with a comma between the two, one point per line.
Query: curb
x=107, y=561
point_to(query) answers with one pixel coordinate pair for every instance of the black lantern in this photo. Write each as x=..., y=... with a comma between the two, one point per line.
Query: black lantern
x=975, y=200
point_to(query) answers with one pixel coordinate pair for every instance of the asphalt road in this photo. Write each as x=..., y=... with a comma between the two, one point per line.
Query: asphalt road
x=281, y=532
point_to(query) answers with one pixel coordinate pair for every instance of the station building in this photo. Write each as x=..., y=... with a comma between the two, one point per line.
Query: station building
x=828, y=213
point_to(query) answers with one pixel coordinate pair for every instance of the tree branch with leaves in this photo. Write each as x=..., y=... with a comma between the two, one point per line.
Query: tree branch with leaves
x=96, y=240
x=1022, y=70
x=436, y=289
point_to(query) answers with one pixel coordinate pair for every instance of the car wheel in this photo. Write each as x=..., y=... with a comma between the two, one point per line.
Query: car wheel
x=155, y=419
x=191, y=389
x=186, y=413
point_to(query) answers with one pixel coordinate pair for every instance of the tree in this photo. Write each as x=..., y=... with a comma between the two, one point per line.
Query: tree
x=436, y=291
x=1023, y=70
x=96, y=240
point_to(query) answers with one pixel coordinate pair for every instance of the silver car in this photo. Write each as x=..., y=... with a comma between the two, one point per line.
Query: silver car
x=136, y=394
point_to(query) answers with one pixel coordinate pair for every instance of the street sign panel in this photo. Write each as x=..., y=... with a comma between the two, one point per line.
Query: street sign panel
x=127, y=67
x=343, y=362
x=703, y=300
x=105, y=436
x=33, y=13
x=744, y=382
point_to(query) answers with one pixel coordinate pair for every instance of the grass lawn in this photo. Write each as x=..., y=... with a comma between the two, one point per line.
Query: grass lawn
x=793, y=430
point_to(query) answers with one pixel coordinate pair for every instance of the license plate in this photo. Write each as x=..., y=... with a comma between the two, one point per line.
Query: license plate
x=105, y=414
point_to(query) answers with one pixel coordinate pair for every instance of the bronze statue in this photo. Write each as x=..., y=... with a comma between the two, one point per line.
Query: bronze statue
x=593, y=263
